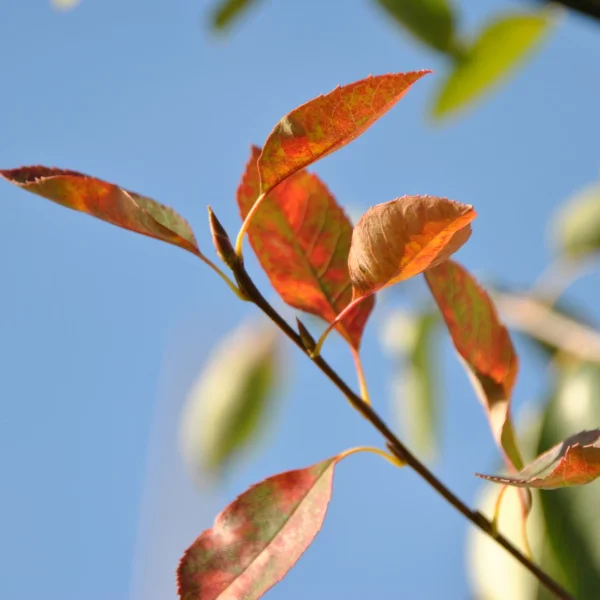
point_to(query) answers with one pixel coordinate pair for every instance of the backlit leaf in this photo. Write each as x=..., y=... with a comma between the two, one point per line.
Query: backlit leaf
x=228, y=11
x=228, y=405
x=106, y=201
x=325, y=124
x=301, y=237
x=258, y=538
x=577, y=225
x=431, y=21
x=576, y=461
x=483, y=343
x=500, y=47
x=400, y=239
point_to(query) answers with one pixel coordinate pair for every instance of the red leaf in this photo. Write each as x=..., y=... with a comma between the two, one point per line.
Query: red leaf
x=576, y=461
x=301, y=237
x=325, y=124
x=484, y=344
x=258, y=538
x=106, y=201
x=400, y=239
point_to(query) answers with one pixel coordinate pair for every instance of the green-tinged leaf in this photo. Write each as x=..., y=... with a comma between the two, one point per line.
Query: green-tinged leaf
x=410, y=337
x=226, y=410
x=397, y=240
x=226, y=12
x=571, y=515
x=500, y=47
x=576, y=227
x=431, y=21
x=106, y=201
x=483, y=343
x=258, y=538
x=301, y=237
x=327, y=123
x=576, y=461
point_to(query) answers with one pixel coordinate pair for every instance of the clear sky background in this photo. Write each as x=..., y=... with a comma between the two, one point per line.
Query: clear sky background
x=103, y=332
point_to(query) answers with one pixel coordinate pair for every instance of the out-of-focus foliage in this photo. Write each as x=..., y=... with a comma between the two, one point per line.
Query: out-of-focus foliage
x=65, y=5
x=409, y=338
x=430, y=21
x=231, y=402
x=564, y=526
x=576, y=227
x=499, y=48
x=572, y=518
x=226, y=12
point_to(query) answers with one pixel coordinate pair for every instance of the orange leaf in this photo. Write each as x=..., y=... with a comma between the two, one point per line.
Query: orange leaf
x=301, y=237
x=400, y=239
x=259, y=537
x=483, y=343
x=106, y=201
x=576, y=461
x=325, y=124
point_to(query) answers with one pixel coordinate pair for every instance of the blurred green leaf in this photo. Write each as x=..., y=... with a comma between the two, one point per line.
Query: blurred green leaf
x=576, y=227
x=500, y=47
x=228, y=405
x=571, y=515
x=65, y=5
x=431, y=21
x=410, y=338
x=227, y=12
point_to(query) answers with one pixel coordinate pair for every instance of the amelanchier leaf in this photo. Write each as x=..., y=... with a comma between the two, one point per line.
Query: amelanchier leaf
x=400, y=239
x=106, y=201
x=431, y=21
x=483, y=343
x=500, y=47
x=258, y=538
x=576, y=227
x=301, y=237
x=226, y=12
x=576, y=461
x=228, y=405
x=325, y=124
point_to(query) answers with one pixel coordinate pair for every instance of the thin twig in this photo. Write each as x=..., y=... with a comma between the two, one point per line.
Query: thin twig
x=394, y=444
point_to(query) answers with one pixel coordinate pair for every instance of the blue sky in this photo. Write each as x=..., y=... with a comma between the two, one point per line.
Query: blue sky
x=103, y=332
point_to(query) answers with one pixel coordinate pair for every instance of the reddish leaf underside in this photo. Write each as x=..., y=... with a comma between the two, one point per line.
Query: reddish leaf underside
x=105, y=201
x=325, y=124
x=258, y=538
x=576, y=461
x=397, y=240
x=483, y=343
x=301, y=237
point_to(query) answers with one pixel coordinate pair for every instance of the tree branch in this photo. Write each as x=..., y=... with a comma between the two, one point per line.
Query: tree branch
x=591, y=8
x=394, y=444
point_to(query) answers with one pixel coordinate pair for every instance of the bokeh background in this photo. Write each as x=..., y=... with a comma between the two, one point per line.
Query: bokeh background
x=104, y=332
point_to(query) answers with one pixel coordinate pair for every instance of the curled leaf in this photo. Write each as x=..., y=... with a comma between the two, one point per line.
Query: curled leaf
x=228, y=405
x=325, y=124
x=301, y=237
x=258, y=538
x=483, y=343
x=106, y=201
x=576, y=461
x=400, y=239
x=500, y=47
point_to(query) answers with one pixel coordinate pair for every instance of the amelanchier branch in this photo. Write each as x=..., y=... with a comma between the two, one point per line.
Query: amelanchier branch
x=304, y=342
